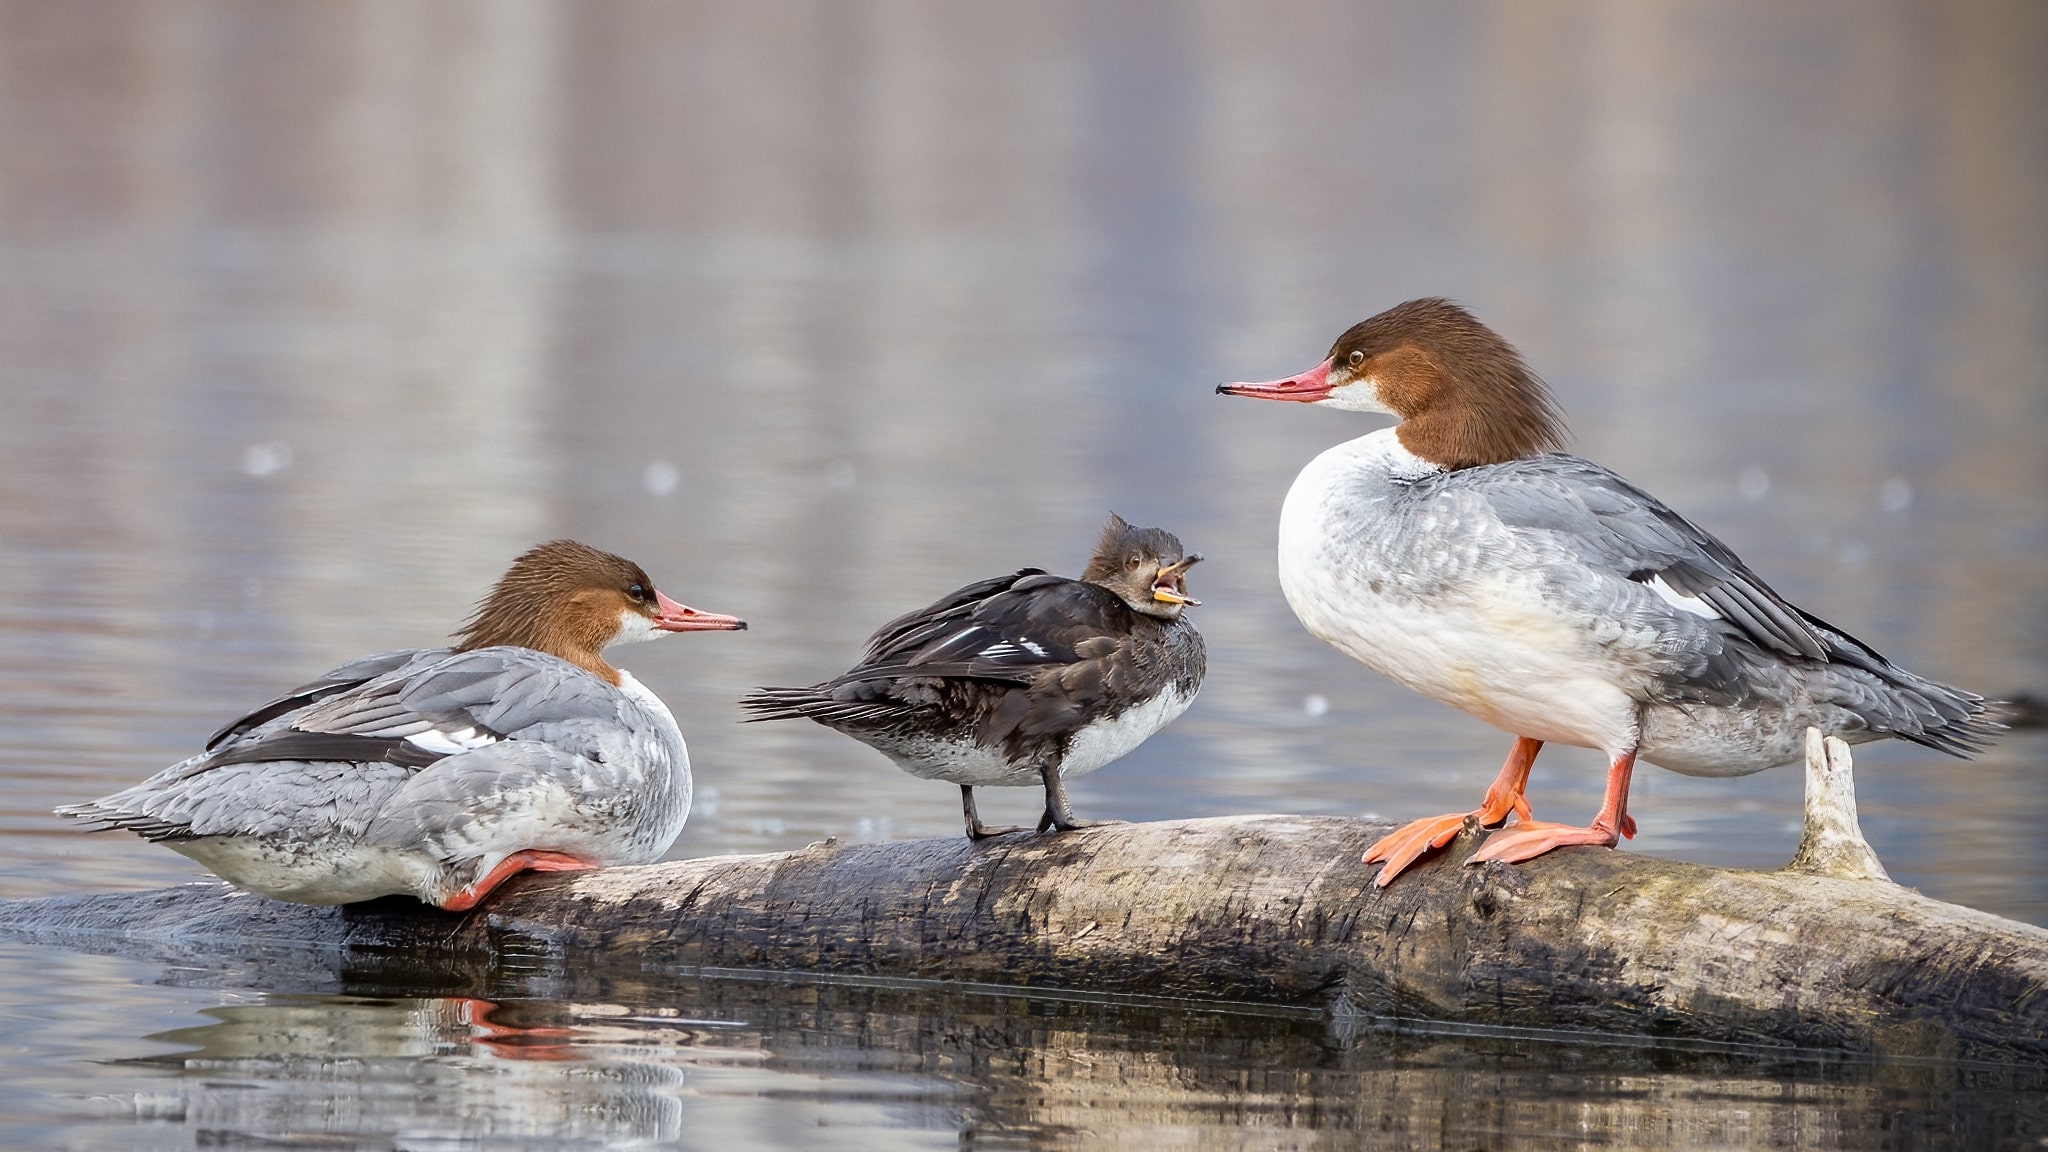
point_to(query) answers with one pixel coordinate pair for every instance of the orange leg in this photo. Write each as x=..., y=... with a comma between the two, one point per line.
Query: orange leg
x=530, y=860
x=1403, y=846
x=1532, y=839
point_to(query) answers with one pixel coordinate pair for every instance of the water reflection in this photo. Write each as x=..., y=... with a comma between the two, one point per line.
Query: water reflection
x=772, y=1063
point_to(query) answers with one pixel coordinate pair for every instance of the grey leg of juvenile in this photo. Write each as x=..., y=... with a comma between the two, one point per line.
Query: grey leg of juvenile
x=1058, y=814
x=976, y=830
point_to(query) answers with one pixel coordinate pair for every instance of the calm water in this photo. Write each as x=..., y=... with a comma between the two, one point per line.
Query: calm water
x=312, y=316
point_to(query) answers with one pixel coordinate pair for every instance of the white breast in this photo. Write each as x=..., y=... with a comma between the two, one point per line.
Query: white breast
x=643, y=696
x=1111, y=737
x=640, y=694
x=1425, y=597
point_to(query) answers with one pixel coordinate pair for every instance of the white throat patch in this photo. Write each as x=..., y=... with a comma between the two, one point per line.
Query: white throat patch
x=1359, y=395
x=634, y=628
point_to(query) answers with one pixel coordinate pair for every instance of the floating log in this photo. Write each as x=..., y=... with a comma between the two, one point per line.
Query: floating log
x=1270, y=910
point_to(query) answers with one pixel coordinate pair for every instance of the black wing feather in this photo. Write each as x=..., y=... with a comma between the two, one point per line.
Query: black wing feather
x=1003, y=633
x=348, y=676
x=293, y=745
x=913, y=629
x=1034, y=622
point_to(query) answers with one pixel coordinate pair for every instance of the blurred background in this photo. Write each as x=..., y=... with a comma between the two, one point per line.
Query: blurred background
x=312, y=316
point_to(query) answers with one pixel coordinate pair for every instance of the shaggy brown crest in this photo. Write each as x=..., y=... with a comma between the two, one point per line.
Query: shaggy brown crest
x=561, y=598
x=1121, y=542
x=1131, y=561
x=1464, y=395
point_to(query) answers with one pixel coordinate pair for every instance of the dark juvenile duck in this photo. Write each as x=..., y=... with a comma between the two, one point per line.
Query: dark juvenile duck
x=1025, y=679
x=438, y=773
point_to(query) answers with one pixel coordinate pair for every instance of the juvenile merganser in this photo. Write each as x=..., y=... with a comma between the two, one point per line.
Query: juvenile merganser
x=1459, y=554
x=439, y=773
x=1025, y=679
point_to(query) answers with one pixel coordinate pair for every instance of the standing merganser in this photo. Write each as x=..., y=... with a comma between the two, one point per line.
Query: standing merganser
x=1025, y=679
x=439, y=773
x=1460, y=555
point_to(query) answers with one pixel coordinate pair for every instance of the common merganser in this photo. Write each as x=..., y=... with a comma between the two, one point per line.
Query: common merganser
x=439, y=773
x=1025, y=679
x=1459, y=554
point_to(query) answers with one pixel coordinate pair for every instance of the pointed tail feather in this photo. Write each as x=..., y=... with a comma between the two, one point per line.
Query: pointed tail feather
x=95, y=816
x=811, y=704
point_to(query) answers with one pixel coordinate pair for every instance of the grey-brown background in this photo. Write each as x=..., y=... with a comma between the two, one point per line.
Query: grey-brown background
x=313, y=315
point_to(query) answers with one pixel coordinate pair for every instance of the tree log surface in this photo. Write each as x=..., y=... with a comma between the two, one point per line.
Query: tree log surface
x=1272, y=910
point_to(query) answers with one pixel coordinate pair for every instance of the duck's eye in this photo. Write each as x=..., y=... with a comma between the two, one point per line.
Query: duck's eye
x=1357, y=357
x=636, y=592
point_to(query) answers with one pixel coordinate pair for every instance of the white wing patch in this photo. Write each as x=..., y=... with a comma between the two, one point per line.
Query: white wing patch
x=451, y=742
x=1680, y=600
x=1005, y=649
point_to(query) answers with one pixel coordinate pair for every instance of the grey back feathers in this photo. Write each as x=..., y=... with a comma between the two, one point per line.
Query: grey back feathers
x=334, y=753
x=1596, y=521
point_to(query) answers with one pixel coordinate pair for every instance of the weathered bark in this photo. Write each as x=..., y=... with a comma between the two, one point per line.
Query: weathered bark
x=1266, y=909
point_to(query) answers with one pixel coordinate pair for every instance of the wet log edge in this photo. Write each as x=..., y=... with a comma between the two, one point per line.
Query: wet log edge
x=1263, y=910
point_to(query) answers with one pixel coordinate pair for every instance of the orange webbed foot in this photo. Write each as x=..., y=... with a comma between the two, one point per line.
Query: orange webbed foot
x=1395, y=851
x=1403, y=846
x=530, y=860
x=1533, y=839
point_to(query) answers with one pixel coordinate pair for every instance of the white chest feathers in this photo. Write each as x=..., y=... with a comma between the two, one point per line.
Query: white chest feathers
x=669, y=734
x=640, y=694
x=1335, y=538
x=1112, y=736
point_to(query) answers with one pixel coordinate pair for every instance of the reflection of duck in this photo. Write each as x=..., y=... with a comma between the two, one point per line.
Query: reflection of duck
x=392, y=1071
x=1458, y=555
x=1023, y=679
x=439, y=773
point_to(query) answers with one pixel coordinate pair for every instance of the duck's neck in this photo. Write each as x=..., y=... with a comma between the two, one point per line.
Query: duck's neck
x=498, y=625
x=1386, y=451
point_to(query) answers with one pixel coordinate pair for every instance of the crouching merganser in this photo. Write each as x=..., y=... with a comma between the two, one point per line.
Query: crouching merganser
x=1025, y=679
x=1459, y=554
x=439, y=773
